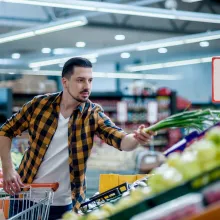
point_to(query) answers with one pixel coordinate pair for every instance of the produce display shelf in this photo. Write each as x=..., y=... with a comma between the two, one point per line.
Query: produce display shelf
x=197, y=184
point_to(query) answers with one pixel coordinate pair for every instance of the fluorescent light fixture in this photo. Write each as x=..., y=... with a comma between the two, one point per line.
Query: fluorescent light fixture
x=16, y=56
x=59, y=60
x=159, y=45
x=125, y=55
x=60, y=51
x=123, y=9
x=149, y=45
x=137, y=13
x=43, y=29
x=80, y=44
x=93, y=60
x=46, y=50
x=35, y=69
x=59, y=27
x=205, y=38
x=119, y=37
x=16, y=37
x=162, y=50
x=51, y=4
x=136, y=68
x=116, y=75
x=61, y=65
x=191, y=1
x=204, y=44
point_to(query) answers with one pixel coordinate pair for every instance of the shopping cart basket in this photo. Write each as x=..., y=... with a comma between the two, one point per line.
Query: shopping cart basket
x=32, y=203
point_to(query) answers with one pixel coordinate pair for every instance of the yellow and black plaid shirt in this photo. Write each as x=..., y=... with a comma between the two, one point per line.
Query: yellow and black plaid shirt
x=40, y=118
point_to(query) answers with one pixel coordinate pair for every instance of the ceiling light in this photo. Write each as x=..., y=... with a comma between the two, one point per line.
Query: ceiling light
x=11, y=73
x=119, y=75
x=136, y=68
x=191, y=1
x=60, y=51
x=59, y=27
x=80, y=44
x=16, y=56
x=149, y=45
x=35, y=69
x=204, y=44
x=144, y=46
x=162, y=50
x=93, y=60
x=51, y=4
x=125, y=55
x=15, y=37
x=124, y=9
x=43, y=29
x=46, y=50
x=61, y=65
x=119, y=37
x=59, y=60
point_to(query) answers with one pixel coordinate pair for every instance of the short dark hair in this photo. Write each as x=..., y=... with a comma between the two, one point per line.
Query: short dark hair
x=68, y=68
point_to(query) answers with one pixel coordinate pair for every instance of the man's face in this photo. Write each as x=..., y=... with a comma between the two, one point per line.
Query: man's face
x=80, y=84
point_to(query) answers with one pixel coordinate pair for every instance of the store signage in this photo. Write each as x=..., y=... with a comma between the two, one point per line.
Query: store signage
x=152, y=112
x=122, y=111
x=216, y=79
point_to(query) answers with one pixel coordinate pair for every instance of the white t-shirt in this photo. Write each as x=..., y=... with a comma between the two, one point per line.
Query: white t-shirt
x=55, y=167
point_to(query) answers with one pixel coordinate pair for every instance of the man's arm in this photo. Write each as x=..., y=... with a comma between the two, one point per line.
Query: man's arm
x=131, y=141
x=14, y=126
x=118, y=138
x=11, y=179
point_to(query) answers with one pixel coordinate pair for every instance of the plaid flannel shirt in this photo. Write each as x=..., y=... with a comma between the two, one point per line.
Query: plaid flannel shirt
x=40, y=118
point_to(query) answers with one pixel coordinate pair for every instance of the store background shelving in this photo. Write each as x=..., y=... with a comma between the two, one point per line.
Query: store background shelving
x=137, y=110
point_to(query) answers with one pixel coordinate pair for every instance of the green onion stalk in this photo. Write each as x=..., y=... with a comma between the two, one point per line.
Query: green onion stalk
x=196, y=119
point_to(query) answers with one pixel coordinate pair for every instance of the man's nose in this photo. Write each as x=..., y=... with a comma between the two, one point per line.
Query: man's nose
x=87, y=84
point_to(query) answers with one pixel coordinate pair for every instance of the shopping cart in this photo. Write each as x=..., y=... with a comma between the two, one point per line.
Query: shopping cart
x=32, y=203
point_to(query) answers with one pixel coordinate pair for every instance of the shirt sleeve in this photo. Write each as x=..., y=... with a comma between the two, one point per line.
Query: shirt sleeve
x=18, y=122
x=108, y=131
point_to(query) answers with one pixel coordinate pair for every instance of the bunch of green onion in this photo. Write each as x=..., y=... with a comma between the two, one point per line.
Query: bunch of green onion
x=196, y=119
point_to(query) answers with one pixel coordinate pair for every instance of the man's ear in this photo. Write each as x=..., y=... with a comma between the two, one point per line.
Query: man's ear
x=64, y=82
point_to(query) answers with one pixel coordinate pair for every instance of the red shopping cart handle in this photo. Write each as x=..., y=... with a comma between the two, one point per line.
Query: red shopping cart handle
x=53, y=186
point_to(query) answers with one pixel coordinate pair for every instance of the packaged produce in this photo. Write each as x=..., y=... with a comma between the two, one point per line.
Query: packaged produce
x=212, y=193
x=179, y=208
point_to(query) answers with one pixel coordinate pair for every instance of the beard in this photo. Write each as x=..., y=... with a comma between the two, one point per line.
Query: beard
x=77, y=98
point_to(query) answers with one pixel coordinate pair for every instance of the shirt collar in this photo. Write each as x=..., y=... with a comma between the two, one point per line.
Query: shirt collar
x=57, y=101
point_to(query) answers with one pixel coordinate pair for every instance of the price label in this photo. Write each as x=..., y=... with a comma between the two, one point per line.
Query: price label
x=152, y=112
x=122, y=111
x=216, y=79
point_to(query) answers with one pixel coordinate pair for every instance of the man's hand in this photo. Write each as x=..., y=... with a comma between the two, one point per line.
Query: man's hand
x=142, y=137
x=11, y=181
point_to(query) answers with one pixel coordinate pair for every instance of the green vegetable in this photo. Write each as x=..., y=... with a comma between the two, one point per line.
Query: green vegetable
x=197, y=119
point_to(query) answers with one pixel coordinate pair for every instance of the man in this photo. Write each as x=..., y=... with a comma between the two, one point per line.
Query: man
x=61, y=129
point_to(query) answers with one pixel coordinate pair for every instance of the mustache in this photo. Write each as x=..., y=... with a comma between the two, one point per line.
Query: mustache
x=86, y=90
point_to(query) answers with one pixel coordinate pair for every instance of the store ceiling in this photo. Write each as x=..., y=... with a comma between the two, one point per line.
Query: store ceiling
x=101, y=29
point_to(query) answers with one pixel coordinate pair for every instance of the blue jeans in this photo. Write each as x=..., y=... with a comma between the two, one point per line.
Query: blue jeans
x=55, y=212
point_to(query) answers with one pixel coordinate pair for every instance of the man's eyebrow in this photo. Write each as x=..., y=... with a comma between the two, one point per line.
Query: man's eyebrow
x=83, y=77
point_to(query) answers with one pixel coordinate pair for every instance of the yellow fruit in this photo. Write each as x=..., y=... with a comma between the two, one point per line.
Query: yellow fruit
x=108, y=207
x=214, y=135
x=70, y=216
